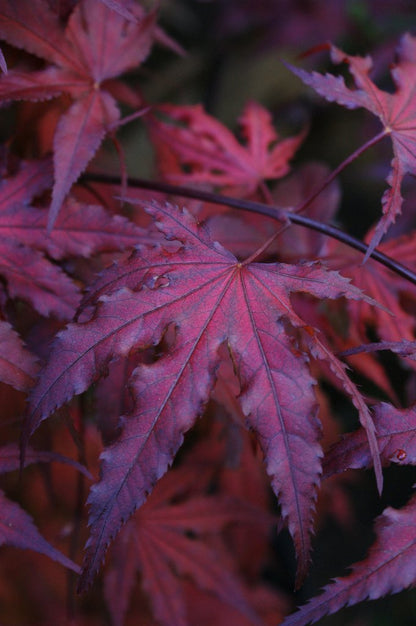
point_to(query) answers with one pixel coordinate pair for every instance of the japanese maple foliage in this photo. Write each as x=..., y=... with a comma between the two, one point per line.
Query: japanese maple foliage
x=202, y=339
x=395, y=111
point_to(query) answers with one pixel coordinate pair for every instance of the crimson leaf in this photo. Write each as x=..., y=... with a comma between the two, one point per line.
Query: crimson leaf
x=194, y=146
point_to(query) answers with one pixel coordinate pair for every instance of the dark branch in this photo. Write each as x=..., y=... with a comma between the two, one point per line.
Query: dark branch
x=277, y=213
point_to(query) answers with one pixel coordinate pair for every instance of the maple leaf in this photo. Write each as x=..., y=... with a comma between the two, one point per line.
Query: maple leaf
x=396, y=112
x=167, y=541
x=96, y=46
x=389, y=568
x=193, y=146
x=396, y=436
x=211, y=299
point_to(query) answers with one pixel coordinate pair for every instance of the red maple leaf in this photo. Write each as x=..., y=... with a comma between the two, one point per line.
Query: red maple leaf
x=168, y=540
x=193, y=146
x=96, y=46
x=396, y=112
x=209, y=299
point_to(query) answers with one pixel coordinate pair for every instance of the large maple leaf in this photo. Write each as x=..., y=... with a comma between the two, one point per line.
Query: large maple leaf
x=96, y=46
x=396, y=112
x=208, y=299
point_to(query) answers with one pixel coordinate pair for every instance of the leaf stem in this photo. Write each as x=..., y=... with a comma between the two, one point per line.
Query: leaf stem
x=278, y=213
x=352, y=157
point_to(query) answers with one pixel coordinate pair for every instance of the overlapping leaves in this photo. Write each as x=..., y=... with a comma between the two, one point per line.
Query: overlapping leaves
x=97, y=45
x=25, y=249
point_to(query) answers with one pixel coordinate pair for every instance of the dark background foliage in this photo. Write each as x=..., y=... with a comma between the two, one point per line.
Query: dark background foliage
x=233, y=52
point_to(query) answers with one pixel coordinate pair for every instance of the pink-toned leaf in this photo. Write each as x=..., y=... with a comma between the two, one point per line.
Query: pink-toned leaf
x=389, y=568
x=29, y=274
x=396, y=437
x=18, y=530
x=195, y=147
x=199, y=562
x=396, y=112
x=106, y=44
x=97, y=44
x=211, y=298
x=78, y=136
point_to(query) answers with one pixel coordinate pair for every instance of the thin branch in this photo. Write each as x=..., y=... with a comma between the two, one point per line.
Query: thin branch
x=341, y=167
x=278, y=213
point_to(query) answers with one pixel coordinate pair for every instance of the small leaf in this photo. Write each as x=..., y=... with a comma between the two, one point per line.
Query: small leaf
x=389, y=568
x=396, y=112
x=18, y=530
